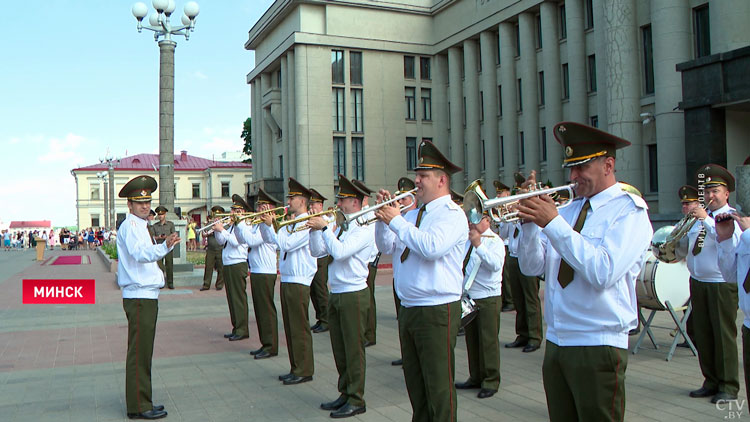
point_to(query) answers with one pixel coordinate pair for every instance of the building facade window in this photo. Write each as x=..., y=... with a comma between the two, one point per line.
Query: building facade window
x=357, y=109
x=481, y=106
x=337, y=66
x=589, y=13
x=648, y=60
x=225, y=189
x=592, y=72
x=701, y=31
x=519, y=106
x=521, y=151
x=538, y=21
x=502, y=151
x=281, y=166
x=411, y=153
x=339, y=124
x=196, y=190
x=541, y=88
x=358, y=158
x=500, y=100
x=424, y=69
x=653, y=169
x=411, y=103
x=464, y=115
x=95, y=220
x=543, y=142
x=355, y=67
x=484, y=162
x=518, y=41
x=565, y=82
x=594, y=121
x=563, y=23
x=95, y=193
x=426, y=104
x=408, y=67
x=339, y=156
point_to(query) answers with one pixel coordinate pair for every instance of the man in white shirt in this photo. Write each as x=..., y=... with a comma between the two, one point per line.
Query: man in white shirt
x=319, y=286
x=349, y=247
x=483, y=272
x=591, y=253
x=297, y=268
x=140, y=279
x=502, y=190
x=407, y=204
x=714, y=301
x=234, y=260
x=427, y=245
x=372, y=321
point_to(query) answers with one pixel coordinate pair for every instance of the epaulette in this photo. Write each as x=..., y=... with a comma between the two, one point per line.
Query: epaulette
x=638, y=201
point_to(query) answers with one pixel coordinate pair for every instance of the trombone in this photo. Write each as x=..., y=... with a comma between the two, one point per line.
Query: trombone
x=348, y=218
x=476, y=202
x=277, y=225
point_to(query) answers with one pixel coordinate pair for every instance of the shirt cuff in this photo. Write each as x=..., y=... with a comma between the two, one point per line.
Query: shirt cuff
x=555, y=228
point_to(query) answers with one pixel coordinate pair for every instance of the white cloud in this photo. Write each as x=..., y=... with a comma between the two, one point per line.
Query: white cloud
x=65, y=150
x=199, y=75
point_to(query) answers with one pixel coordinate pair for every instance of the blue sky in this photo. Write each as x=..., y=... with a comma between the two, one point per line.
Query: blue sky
x=77, y=80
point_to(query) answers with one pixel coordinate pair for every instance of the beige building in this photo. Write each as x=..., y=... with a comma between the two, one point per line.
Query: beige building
x=199, y=185
x=353, y=86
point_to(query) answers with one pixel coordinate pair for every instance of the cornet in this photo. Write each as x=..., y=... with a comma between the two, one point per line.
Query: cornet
x=476, y=202
x=236, y=218
x=348, y=218
x=279, y=224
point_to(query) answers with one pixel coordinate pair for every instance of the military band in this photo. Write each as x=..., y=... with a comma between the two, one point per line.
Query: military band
x=213, y=258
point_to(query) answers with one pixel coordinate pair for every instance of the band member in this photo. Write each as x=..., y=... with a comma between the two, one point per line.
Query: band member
x=372, y=322
x=524, y=289
x=213, y=258
x=714, y=301
x=297, y=268
x=349, y=248
x=161, y=229
x=140, y=279
x=734, y=263
x=262, y=262
x=591, y=253
x=428, y=249
x=501, y=191
x=485, y=250
x=689, y=200
x=234, y=258
x=407, y=204
x=319, y=286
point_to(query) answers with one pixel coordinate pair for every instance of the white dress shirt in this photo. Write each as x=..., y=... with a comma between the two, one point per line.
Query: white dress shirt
x=262, y=256
x=350, y=252
x=373, y=250
x=508, y=232
x=599, y=306
x=296, y=264
x=704, y=267
x=431, y=275
x=138, y=274
x=490, y=256
x=234, y=252
x=734, y=263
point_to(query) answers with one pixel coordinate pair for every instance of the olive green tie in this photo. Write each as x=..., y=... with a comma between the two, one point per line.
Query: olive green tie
x=468, y=256
x=405, y=254
x=746, y=284
x=699, y=241
x=565, y=274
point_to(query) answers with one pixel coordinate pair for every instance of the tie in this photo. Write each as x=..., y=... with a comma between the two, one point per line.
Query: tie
x=565, y=274
x=746, y=284
x=405, y=254
x=466, y=259
x=699, y=241
x=338, y=236
x=290, y=231
x=515, y=233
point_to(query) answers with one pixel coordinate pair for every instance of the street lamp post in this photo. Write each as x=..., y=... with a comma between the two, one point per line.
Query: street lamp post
x=163, y=31
x=110, y=219
x=103, y=177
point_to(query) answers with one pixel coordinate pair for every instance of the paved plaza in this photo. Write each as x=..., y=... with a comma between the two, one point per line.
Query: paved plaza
x=67, y=362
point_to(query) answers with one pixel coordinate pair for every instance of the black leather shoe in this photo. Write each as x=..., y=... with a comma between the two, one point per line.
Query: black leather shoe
x=486, y=392
x=508, y=308
x=170, y=288
x=265, y=355
x=369, y=343
x=468, y=384
x=530, y=348
x=397, y=362
x=297, y=380
x=227, y=335
x=461, y=332
x=158, y=407
x=722, y=397
x=151, y=414
x=320, y=329
x=703, y=392
x=219, y=288
x=285, y=376
x=315, y=326
x=347, y=411
x=517, y=343
x=255, y=352
x=334, y=405
x=634, y=331
x=204, y=288
x=236, y=337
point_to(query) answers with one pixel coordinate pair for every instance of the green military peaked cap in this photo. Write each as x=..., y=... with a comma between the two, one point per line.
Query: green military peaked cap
x=347, y=189
x=362, y=187
x=405, y=184
x=712, y=175
x=430, y=158
x=161, y=209
x=500, y=186
x=317, y=197
x=687, y=193
x=297, y=189
x=239, y=203
x=139, y=189
x=216, y=209
x=582, y=143
x=265, y=198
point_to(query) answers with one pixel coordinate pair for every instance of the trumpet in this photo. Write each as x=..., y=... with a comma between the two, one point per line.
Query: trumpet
x=277, y=225
x=236, y=218
x=476, y=202
x=348, y=218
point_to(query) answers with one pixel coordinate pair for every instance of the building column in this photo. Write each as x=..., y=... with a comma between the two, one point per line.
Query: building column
x=257, y=128
x=530, y=113
x=440, y=102
x=601, y=71
x=578, y=102
x=509, y=127
x=623, y=87
x=552, y=103
x=670, y=32
x=268, y=135
x=487, y=43
x=291, y=134
x=472, y=161
x=285, y=122
x=455, y=90
x=301, y=114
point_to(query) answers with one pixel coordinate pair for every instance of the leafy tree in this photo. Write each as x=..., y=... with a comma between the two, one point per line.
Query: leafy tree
x=248, y=137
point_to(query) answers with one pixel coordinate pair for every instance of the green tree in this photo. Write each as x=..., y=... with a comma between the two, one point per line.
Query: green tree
x=248, y=137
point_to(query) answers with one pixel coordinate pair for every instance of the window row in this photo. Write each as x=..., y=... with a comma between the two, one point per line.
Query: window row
x=410, y=97
x=355, y=67
x=339, y=113
x=358, y=157
x=195, y=192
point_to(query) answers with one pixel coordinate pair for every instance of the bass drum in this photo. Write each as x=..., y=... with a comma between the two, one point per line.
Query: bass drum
x=660, y=282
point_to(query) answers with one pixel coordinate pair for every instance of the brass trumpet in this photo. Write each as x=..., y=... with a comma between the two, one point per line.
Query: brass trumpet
x=277, y=225
x=348, y=218
x=476, y=202
x=236, y=218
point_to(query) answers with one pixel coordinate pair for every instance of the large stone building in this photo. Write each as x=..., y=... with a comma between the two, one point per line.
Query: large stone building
x=200, y=184
x=353, y=86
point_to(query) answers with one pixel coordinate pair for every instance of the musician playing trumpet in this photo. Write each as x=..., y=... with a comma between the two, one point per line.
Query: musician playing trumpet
x=483, y=277
x=591, y=253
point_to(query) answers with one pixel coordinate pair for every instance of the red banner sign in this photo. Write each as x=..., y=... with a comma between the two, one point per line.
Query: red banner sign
x=59, y=292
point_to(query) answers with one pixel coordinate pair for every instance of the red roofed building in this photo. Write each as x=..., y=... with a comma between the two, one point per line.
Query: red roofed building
x=16, y=226
x=200, y=183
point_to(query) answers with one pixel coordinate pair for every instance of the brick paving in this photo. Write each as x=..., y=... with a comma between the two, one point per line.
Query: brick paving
x=66, y=362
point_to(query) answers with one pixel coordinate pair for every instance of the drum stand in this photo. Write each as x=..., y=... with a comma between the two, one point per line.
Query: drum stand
x=681, y=330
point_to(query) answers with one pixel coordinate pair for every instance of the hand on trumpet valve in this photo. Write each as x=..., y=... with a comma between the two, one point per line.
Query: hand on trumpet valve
x=530, y=183
x=218, y=226
x=266, y=218
x=317, y=223
x=699, y=212
x=539, y=210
